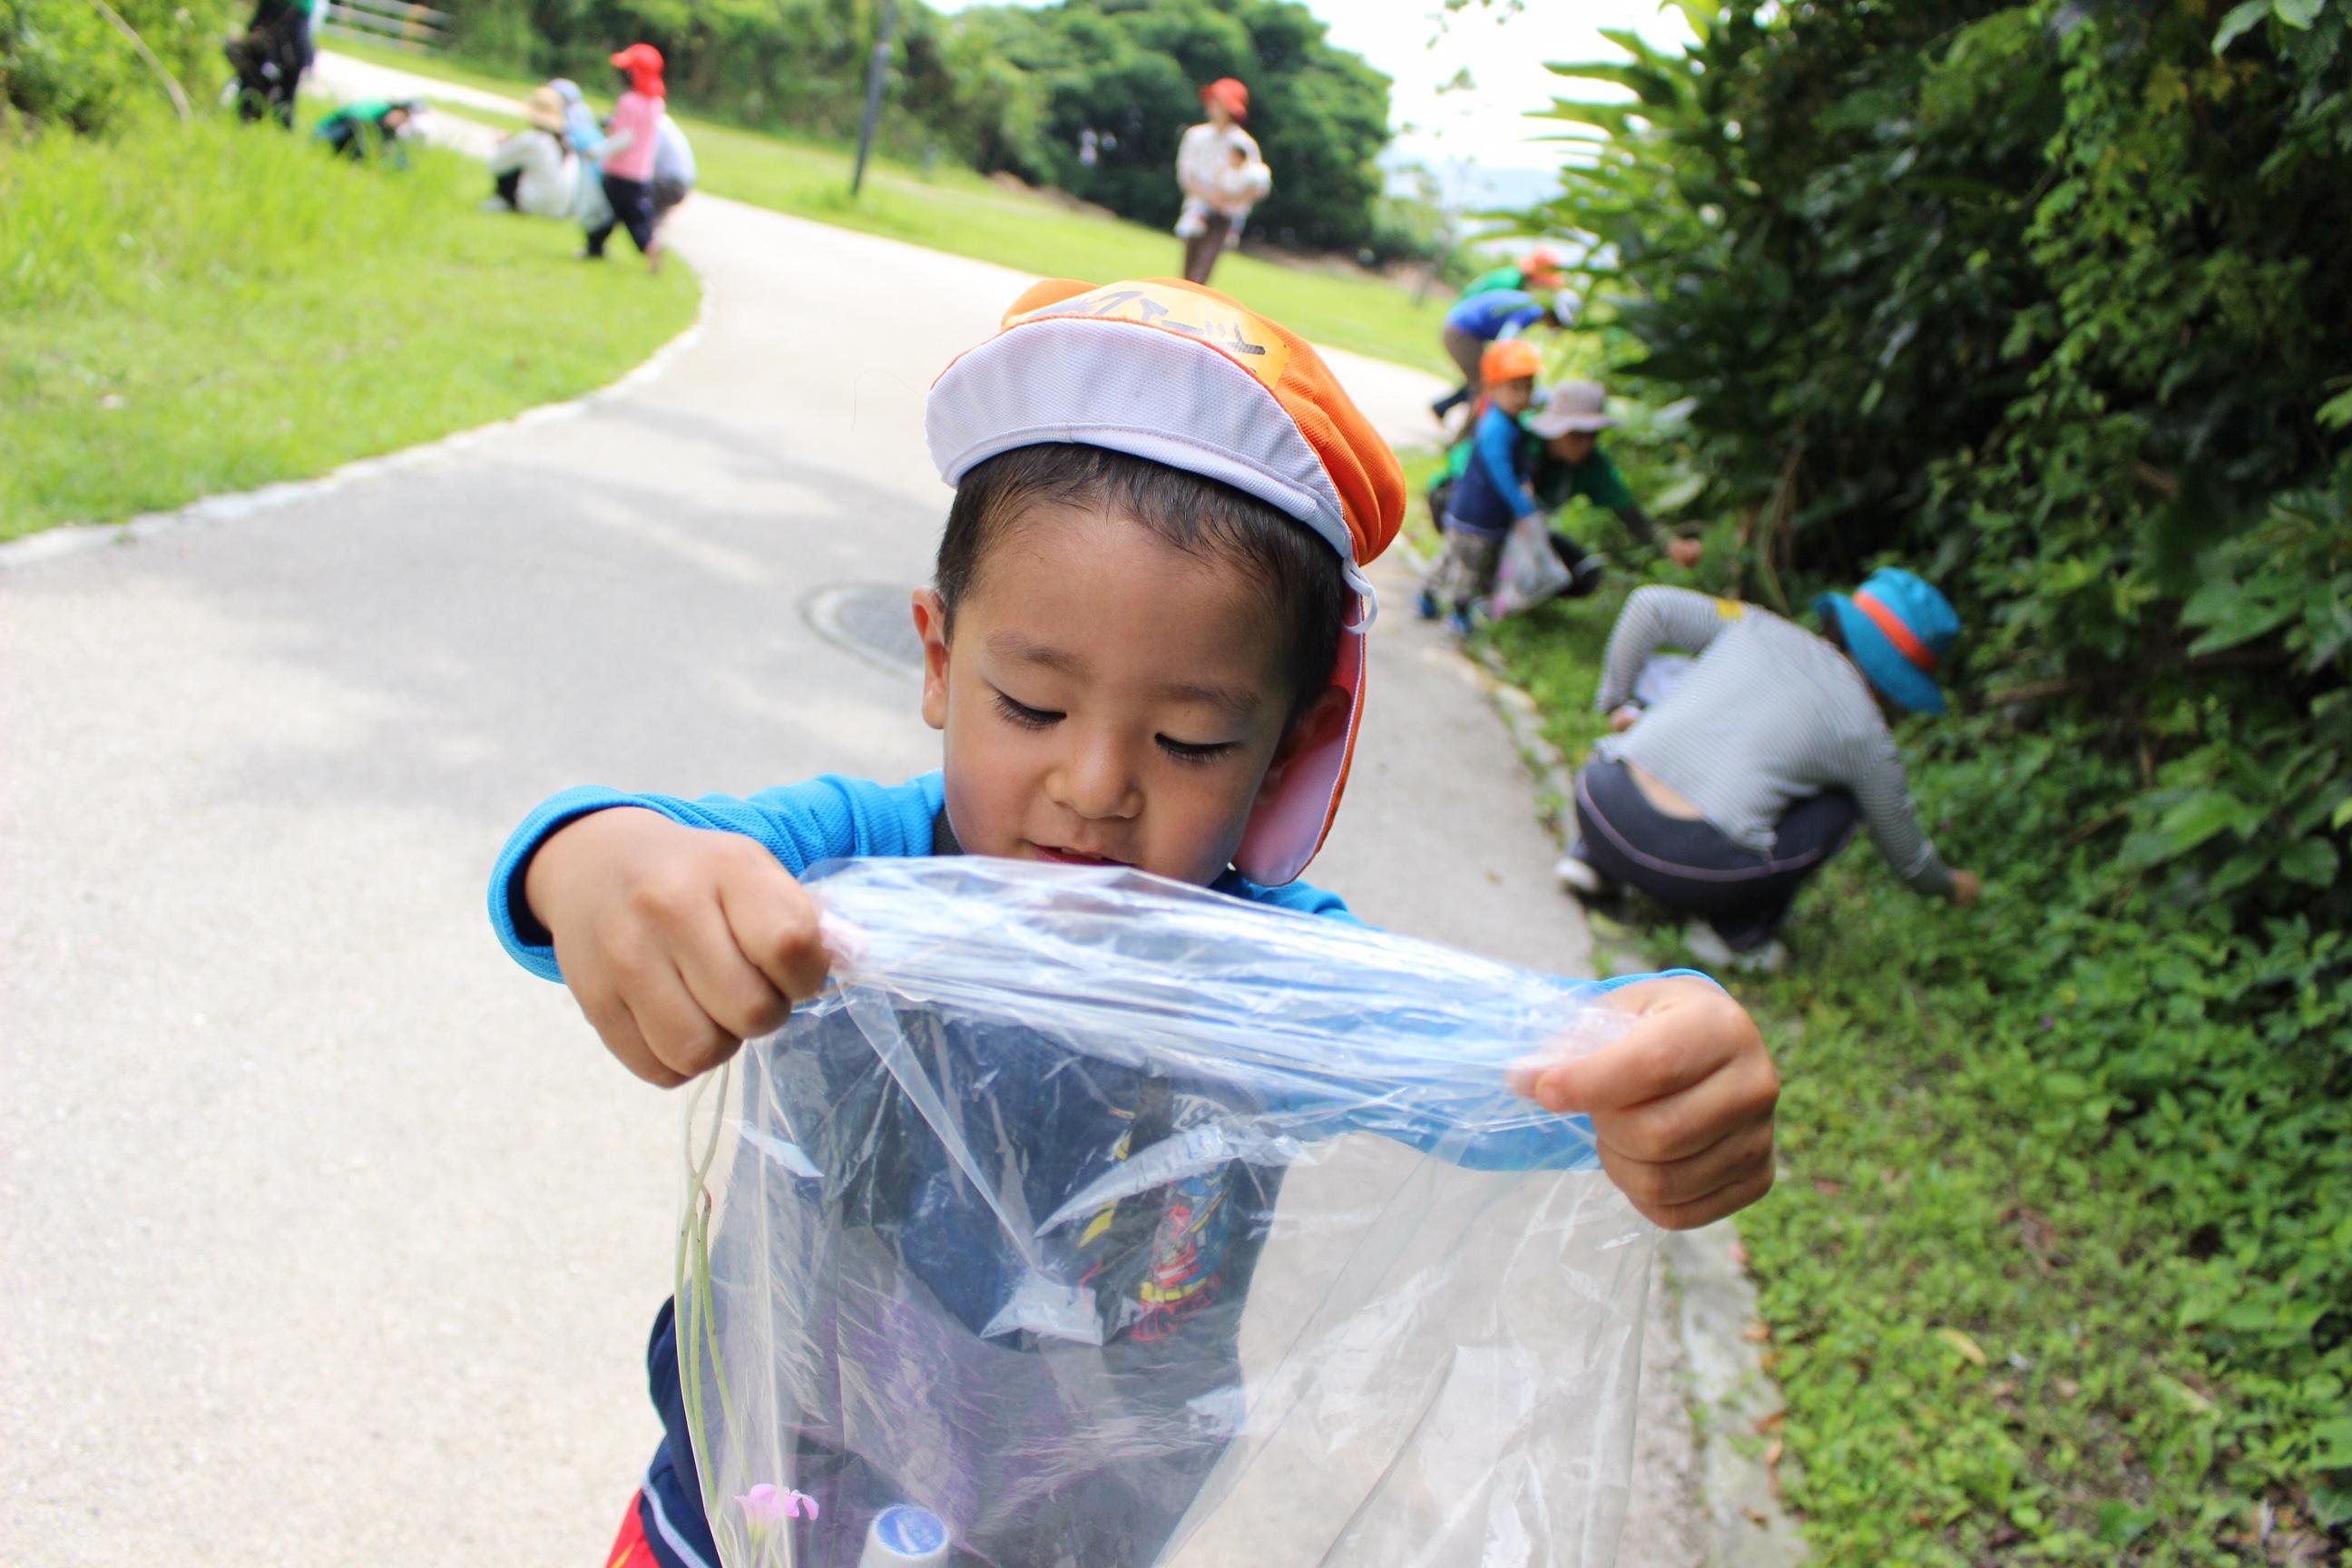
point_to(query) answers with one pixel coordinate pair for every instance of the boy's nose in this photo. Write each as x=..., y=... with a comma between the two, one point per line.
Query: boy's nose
x=1097, y=780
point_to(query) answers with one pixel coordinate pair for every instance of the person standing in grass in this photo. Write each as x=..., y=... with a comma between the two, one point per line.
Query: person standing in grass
x=1751, y=772
x=632, y=141
x=279, y=45
x=1217, y=164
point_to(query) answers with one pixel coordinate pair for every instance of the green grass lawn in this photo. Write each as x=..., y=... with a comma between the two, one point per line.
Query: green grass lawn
x=184, y=312
x=956, y=210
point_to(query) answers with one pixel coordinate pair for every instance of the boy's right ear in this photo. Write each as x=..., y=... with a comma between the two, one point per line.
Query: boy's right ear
x=931, y=626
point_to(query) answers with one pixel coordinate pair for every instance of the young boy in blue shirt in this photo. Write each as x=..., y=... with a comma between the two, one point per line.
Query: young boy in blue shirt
x=1523, y=457
x=1143, y=645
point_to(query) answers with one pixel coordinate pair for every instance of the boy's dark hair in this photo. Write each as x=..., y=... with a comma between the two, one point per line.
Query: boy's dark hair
x=1298, y=574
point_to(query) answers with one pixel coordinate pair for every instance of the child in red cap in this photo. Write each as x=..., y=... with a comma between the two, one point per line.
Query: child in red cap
x=1144, y=644
x=632, y=138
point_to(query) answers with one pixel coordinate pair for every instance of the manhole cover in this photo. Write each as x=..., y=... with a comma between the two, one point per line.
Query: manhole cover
x=870, y=621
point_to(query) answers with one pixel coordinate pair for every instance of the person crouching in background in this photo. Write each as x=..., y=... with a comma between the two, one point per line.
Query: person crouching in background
x=533, y=172
x=1751, y=772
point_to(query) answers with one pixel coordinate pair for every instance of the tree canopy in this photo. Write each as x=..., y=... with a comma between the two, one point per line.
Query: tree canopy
x=1129, y=72
x=1011, y=89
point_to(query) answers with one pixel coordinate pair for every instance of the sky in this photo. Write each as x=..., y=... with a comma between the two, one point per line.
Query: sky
x=1422, y=48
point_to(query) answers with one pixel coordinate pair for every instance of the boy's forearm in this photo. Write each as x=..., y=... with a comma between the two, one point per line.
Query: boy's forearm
x=554, y=871
x=518, y=923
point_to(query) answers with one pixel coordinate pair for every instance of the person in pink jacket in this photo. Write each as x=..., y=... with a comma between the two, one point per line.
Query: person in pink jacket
x=631, y=135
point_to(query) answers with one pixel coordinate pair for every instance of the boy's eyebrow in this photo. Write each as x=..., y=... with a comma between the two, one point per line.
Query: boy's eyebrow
x=1239, y=704
x=1012, y=644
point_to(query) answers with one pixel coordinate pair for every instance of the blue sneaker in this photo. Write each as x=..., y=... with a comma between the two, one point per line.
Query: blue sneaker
x=1426, y=606
x=1460, y=624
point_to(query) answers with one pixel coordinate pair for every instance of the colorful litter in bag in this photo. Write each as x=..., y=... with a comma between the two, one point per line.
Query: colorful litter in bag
x=1093, y=1221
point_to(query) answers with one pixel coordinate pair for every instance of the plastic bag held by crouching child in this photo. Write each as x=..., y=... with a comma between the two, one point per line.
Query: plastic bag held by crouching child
x=1530, y=571
x=1089, y=1220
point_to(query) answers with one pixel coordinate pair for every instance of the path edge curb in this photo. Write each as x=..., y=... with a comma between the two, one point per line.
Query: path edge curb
x=1731, y=1395
x=62, y=540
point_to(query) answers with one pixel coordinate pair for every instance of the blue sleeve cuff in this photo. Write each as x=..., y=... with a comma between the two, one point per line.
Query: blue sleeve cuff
x=525, y=940
x=1625, y=980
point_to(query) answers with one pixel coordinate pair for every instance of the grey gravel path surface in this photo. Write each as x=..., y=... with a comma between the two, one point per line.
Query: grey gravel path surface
x=330, y=1237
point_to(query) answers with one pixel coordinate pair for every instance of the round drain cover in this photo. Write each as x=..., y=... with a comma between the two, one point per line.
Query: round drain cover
x=870, y=621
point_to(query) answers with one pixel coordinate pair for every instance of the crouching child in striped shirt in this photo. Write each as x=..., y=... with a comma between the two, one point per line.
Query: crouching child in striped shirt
x=1742, y=780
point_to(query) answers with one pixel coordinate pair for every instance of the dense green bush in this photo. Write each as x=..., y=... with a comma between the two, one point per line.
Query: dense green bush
x=2048, y=301
x=61, y=62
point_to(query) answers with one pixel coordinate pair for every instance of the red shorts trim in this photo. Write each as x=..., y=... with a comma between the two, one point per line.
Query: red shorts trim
x=630, y=1549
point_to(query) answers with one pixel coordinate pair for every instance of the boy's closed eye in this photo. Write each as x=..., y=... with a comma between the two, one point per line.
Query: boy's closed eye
x=1045, y=718
x=1018, y=712
x=1021, y=714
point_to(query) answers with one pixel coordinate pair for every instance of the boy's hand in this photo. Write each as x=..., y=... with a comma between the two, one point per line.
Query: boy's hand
x=1967, y=887
x=678, y=943
x=1685, y=552
x=1682, y=1104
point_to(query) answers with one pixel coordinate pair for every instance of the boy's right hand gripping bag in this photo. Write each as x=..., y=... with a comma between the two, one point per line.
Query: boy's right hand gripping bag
x=1092, y=1221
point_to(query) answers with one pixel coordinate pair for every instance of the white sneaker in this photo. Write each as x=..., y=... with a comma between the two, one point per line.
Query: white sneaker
x=1716, y=954
x=1582, y=878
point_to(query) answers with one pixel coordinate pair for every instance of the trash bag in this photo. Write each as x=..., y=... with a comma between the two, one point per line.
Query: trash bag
x=1530, y=572
x=1089, y=1220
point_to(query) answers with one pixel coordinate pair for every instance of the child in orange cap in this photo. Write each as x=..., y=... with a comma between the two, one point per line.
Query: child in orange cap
x=1144, y=644
x=1464, y=573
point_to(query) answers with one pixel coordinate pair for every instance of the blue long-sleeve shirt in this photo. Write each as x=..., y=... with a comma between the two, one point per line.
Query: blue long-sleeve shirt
x=1493, y=492
x=1497, y=313
x=831, y=818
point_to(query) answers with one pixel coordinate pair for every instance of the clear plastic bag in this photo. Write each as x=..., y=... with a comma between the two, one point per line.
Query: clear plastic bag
x=1093, y=1221
x=1530, y=572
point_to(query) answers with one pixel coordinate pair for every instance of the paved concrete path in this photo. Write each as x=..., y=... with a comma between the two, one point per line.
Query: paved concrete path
x=330, y=1237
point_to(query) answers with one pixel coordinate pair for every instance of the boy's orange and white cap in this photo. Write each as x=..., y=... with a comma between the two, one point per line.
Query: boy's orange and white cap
x=1181, y=374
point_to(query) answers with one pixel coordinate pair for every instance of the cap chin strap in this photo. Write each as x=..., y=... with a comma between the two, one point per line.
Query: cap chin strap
x=1368, y=599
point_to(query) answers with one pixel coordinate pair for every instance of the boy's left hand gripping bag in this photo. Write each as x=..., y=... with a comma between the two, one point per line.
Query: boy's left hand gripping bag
x=1091, y=1221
